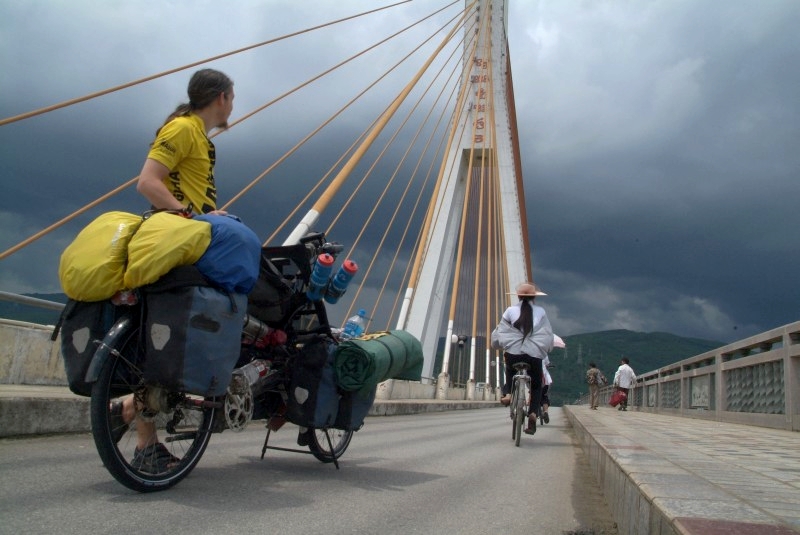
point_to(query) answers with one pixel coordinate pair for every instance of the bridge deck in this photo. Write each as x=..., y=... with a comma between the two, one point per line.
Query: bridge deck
x=664, y=474
x=661, y=475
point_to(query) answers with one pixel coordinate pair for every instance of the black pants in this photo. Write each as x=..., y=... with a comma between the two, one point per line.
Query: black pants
x=535, y=372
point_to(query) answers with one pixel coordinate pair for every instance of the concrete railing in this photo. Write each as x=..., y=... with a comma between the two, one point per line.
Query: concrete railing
x=755, y=381
x=29, y=357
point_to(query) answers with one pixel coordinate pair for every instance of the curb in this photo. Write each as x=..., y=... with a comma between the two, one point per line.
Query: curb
x=57, y=412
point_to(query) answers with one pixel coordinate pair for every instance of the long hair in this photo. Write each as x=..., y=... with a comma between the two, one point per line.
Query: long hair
x=204, y=86
x=525, y=321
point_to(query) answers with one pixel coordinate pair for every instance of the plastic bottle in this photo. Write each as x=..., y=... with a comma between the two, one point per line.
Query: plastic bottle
x=319, y=277
x=250, y=375
x=338, y=283
x=354, y=327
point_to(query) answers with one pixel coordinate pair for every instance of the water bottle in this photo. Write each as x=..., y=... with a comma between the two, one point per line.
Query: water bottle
x=319, y=277
x=251, y=376
x=354, y=327
x=338, y=284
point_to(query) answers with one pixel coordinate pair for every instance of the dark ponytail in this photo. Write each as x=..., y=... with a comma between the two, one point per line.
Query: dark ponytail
x=525, y=321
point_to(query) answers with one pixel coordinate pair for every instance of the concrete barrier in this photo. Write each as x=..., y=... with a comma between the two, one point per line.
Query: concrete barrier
x=28, y=356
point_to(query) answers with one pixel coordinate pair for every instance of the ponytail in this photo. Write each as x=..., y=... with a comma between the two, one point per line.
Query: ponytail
x=525, y=321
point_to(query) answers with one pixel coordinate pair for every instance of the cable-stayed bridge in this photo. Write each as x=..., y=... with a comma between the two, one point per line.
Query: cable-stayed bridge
x=417, y=171
x=426, y=193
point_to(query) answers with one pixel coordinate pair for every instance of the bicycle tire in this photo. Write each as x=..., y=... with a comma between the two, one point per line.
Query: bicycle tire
x=522, y=412
x=187, y=441
x=512, y=406
x=318, y=443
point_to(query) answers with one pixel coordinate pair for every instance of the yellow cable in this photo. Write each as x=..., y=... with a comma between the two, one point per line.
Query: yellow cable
x=183, y=68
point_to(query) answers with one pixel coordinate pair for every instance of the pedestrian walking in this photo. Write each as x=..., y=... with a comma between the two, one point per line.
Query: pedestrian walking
x=624, y=380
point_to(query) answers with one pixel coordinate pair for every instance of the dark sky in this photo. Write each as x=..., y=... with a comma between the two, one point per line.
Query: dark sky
x=659, y=139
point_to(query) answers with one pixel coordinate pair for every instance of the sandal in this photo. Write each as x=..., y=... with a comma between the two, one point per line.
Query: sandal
x=116, y=421
x=531, y=430
x=154, y=459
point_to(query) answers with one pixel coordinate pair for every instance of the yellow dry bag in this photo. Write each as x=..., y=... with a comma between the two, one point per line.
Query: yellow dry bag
x=92, y=267
x=164, y=241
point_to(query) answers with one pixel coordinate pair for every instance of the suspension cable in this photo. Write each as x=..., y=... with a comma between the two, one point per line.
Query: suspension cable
x=133, y=180
x=299, y=144
x=344, y=173
x=91, y=96
x=391, y=180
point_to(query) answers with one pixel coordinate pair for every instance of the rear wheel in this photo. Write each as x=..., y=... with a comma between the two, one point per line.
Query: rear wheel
x=182, y=421
x=519, y=417
x=325, y=452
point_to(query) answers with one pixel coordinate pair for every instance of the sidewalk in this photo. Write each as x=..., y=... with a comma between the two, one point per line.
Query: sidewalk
x=40, y=410
x=669, y=475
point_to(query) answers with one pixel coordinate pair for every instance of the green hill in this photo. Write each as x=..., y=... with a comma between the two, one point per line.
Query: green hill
x=646, y=351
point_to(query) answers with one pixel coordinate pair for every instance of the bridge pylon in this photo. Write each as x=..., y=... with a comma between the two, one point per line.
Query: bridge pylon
x=474, y=246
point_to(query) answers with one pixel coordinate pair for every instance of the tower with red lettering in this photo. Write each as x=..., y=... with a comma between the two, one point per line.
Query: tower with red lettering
x=483, y=160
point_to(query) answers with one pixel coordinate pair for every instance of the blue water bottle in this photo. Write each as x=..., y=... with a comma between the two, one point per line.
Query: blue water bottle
x=319, y=277
x=338, y=283
x=354, y=327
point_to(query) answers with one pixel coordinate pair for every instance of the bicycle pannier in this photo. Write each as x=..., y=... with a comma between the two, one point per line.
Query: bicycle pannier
x=353, y=408
x=313, y=396
x=193, y=334
x=82, y=326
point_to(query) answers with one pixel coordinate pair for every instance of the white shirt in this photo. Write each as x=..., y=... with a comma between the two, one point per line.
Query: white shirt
x=625, y=378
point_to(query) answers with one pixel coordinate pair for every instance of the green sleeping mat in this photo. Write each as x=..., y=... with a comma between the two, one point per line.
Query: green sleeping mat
x=376, y=357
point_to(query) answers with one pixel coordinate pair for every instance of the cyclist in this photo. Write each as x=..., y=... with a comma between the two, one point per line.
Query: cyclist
x=178, y=174
x=524, y=334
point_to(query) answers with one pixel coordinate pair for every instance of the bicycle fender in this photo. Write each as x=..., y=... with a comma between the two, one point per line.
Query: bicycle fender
x=109, y=342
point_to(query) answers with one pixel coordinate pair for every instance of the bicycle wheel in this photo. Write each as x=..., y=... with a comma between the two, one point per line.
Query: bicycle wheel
x=184, y=423
x=513, y=412
x=323, y=451
x=519, y=420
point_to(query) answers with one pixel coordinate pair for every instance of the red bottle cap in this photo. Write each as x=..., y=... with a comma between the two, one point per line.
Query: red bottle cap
x=350, y=266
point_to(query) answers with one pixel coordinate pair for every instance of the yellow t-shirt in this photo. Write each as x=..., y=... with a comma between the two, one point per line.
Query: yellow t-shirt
x=182, y=146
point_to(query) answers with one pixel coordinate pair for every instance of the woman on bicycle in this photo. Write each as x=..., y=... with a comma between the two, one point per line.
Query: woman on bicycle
x=525, y=335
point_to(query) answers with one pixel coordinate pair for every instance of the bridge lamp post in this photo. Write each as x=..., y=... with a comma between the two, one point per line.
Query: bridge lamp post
x=460, y=339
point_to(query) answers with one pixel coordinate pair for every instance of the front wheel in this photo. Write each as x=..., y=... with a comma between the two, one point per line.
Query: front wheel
x=329, y=452
x=184, y=423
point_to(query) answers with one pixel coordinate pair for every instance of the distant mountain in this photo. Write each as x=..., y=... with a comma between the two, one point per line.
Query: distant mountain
x=32, y=314
x=646, y=351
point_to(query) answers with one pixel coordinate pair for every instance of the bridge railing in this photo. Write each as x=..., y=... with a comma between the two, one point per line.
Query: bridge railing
x=755, y=381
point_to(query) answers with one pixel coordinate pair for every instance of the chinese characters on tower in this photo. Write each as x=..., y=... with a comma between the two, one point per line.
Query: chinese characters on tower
x=480, y=81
